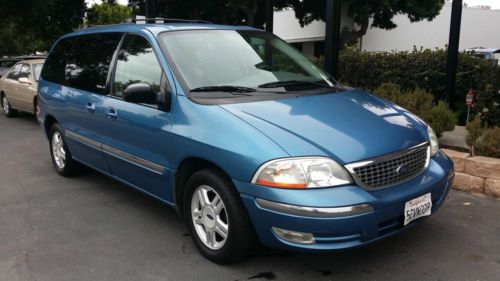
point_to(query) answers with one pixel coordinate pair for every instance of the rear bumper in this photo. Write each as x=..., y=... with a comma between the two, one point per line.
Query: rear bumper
x=342, y=217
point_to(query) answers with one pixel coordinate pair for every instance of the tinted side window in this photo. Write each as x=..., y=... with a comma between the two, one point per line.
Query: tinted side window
x=136, y=63
x=14, y=72
x=82, y=62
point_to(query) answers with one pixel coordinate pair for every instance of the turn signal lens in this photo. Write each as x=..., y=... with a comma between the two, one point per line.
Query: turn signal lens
x=302, y=173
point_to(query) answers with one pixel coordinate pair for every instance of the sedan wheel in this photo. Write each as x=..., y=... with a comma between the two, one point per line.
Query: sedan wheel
x=7, y=109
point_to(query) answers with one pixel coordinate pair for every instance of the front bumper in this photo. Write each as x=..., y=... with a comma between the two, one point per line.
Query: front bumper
x=341, y=217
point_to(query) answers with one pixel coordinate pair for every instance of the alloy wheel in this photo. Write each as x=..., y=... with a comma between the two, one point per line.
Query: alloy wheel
x=58, y=150
x=209, y=217
x=5, y=105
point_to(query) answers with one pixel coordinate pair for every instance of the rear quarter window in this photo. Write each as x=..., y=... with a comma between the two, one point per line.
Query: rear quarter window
x=82, y=62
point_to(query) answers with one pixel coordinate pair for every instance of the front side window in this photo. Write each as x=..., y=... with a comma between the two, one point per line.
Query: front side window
x=136, y=63
x=14, y=72
x=25, y=71
x=208, y=59
x=82, y=62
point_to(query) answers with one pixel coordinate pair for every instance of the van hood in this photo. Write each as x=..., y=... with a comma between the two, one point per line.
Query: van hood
x=347, y=126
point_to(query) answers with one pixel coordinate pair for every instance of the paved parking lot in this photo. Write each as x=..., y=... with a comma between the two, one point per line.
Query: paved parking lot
x=92, y=228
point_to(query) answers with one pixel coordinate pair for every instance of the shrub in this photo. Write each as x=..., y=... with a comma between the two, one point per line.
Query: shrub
x=426, y=69
x=421, y=103
x=475, y=130
x=489, y=143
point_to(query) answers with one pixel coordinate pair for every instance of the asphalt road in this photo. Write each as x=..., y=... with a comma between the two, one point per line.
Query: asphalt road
x=92, y=228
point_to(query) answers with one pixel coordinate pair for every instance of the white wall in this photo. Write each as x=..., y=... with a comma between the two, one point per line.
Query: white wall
x=479, y=28
x=288, y=28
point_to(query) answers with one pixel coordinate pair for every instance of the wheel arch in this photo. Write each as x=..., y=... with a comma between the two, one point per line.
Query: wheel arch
x=188, y=167
x=49, y=122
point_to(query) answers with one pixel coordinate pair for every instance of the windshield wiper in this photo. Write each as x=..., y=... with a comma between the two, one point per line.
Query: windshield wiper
x=236, y=90
x=278, y=84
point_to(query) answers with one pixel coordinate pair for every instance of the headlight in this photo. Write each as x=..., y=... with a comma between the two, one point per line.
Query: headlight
x=302, y=173
x=433, y=139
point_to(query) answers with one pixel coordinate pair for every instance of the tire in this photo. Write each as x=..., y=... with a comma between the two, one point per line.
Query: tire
x=36, y=109
x=60, y=154
x=8, y=111
x=240, y=235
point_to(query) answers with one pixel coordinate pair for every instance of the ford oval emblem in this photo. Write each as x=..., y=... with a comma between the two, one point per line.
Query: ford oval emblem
x=402, y=170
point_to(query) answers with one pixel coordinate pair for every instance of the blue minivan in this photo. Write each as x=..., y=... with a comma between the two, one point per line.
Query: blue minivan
x=247, y=138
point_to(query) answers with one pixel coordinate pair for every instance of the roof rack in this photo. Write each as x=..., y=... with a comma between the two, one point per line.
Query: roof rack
x=164, y=20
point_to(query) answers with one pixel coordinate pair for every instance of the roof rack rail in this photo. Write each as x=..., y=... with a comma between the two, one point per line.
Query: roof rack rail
x=164, y=20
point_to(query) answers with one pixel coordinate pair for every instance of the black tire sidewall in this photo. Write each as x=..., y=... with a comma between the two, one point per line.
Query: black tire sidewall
x=240, y=232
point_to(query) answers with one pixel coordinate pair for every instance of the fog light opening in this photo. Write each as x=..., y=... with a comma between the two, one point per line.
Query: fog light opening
x=294, y=236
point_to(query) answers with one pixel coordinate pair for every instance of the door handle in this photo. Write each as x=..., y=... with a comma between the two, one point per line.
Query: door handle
x=90, y=107
x=111, y=113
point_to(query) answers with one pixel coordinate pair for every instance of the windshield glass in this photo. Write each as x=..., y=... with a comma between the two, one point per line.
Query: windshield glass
x=208, y=59
x=37, y=68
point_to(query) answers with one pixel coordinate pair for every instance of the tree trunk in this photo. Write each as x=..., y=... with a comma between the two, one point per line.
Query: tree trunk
x=352, y=36
x=251, y=11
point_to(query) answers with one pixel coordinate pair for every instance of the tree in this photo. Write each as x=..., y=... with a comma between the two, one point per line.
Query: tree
x=107, y=13
x=381, y=12
x=33, y=25
x=236, y=12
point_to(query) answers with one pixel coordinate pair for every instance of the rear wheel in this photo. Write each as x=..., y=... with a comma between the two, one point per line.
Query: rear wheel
x=217, y=219
x=7, y=109
x=60, y=154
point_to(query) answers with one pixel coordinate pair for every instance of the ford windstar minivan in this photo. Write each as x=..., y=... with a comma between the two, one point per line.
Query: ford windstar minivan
x=247, y=138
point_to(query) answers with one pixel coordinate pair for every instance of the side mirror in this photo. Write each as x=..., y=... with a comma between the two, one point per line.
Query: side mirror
x=24, y=80
x=140, y=93
x=144, y=93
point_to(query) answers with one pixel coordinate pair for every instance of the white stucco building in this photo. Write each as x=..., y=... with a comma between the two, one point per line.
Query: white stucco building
x=480, y=28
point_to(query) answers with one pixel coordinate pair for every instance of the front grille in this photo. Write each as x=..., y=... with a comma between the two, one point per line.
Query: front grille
x=391, y=169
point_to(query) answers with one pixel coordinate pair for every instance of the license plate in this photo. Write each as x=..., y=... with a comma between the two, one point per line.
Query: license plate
x=417, y=208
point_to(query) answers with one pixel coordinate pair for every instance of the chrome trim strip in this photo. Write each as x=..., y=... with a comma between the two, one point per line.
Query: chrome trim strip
x=85, y=140
x=143, y=163
x=133, y=159
x=350, y=167
x=316, y=212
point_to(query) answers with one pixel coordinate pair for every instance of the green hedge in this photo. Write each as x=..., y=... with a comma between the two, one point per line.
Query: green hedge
x=421, y=103
x=426, y=69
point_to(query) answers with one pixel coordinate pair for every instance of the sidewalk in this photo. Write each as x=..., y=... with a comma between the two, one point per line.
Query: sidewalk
x=455, y=138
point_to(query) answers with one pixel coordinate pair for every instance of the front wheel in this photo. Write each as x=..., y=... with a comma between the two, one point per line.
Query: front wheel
x=217, y=219
x=60, y=154
x=7, y=109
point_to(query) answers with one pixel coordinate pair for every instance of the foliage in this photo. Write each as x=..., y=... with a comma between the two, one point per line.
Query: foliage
x=475, y=130
x=107, y=13
x=489, y=143
x=421, y=103
x=381, y=12
x=33, y=25
x=426, y=69
x=237, y=12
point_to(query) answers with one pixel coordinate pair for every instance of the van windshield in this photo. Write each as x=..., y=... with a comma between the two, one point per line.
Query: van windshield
x=241, y=62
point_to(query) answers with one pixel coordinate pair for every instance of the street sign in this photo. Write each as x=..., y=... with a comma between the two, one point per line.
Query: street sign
x=469, y=98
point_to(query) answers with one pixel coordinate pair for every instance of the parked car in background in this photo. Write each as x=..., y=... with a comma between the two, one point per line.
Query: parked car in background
x=242, y=134
x=492, y=54
x=18, y=88
x=7, y=63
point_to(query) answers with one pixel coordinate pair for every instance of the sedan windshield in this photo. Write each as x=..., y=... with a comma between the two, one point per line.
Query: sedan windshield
x=231, y=60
